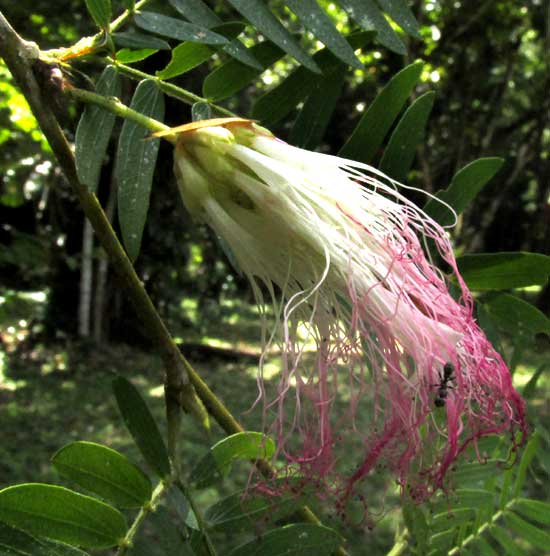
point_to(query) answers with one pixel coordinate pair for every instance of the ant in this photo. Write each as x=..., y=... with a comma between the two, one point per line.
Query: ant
x=446, y=377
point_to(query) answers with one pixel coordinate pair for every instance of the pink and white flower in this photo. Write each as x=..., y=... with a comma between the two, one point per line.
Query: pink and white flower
x=341, y=255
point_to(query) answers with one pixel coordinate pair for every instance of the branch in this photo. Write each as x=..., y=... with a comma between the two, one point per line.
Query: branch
x=113, y=104
x=170, y=89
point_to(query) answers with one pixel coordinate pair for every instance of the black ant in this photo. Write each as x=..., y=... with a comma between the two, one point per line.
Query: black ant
x=446, y=377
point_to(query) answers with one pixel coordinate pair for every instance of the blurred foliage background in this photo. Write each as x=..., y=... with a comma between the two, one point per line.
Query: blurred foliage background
x=489, y=65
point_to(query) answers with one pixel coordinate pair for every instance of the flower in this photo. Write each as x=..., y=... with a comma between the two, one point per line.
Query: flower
x=343, y=258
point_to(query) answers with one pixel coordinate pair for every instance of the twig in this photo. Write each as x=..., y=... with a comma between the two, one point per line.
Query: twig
x=170, y=89
x=145, y=510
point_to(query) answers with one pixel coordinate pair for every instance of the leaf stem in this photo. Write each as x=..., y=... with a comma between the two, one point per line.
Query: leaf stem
x=113, y=104
x=171, y=90
x=145, y=510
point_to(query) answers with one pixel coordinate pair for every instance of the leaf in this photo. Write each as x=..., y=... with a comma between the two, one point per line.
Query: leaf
x=368, y=17
x=529, y=389
x=483, y=547
x=474, y=498
x=100, y=10
x=133, y=39
x=400, y=12
x=142, y=426
x=501, y=271
x=317, y=21
x=135, y=166
x=176, y=28
x=378, y=119
x=201, y=111
x=415, y=520
x=61, y=514
x=257, y=12
x=240, y=510
x=527, y=456
x=14, y=542
x=279, y=101
x=104, y=472
x=407, y=135
x=537, y=537
x=465, y=185
x=234, y=75
x=533, y=509
x=451, y=519
x=196, y=11
x=301, y=539
x=199, y=13
x=217, y=462
x=471, y=474
x=189, y=55
x=94, y=131
x=515, y=316
x=127, y=56
x=311, y=124
x=502, y=537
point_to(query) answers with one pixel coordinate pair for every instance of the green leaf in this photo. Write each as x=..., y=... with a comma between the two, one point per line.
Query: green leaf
x=279, y=101
x=369, y=133
x=537, y=537
x=217, y=462
x=505, y=541
x=313, y=119
x=465, y=185
x=135, y=166
x=501, y=271
x=483, y=547
x=533, y=509
x=368, y=17
x=471, y=474
x=62, y=514
x=515, y=316
x=415, y=520
x=196, y=11
x=407, y=135
x=94, y=131
x=238, y=511
x=201, y=111
x=14, y=542
x=173, y=28
x=142, y=426
x=529, y=452
x=529, y=389
x=301, y=539
x=199, y=13
x=474, y=498
x=400, y=12
x=104, y=472
x=133, y=39
x=317, y=21
x=127, y=56
x=189, y=55
x=257, y=12
x=234, y=75
x=451, y=519
x=100, y=10
x=442, y=541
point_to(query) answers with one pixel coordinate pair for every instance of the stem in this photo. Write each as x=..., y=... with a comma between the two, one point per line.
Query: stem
x=145, y=510
x=171, y=90
x=182, y=382
x=125, y=15
x=116, y=107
